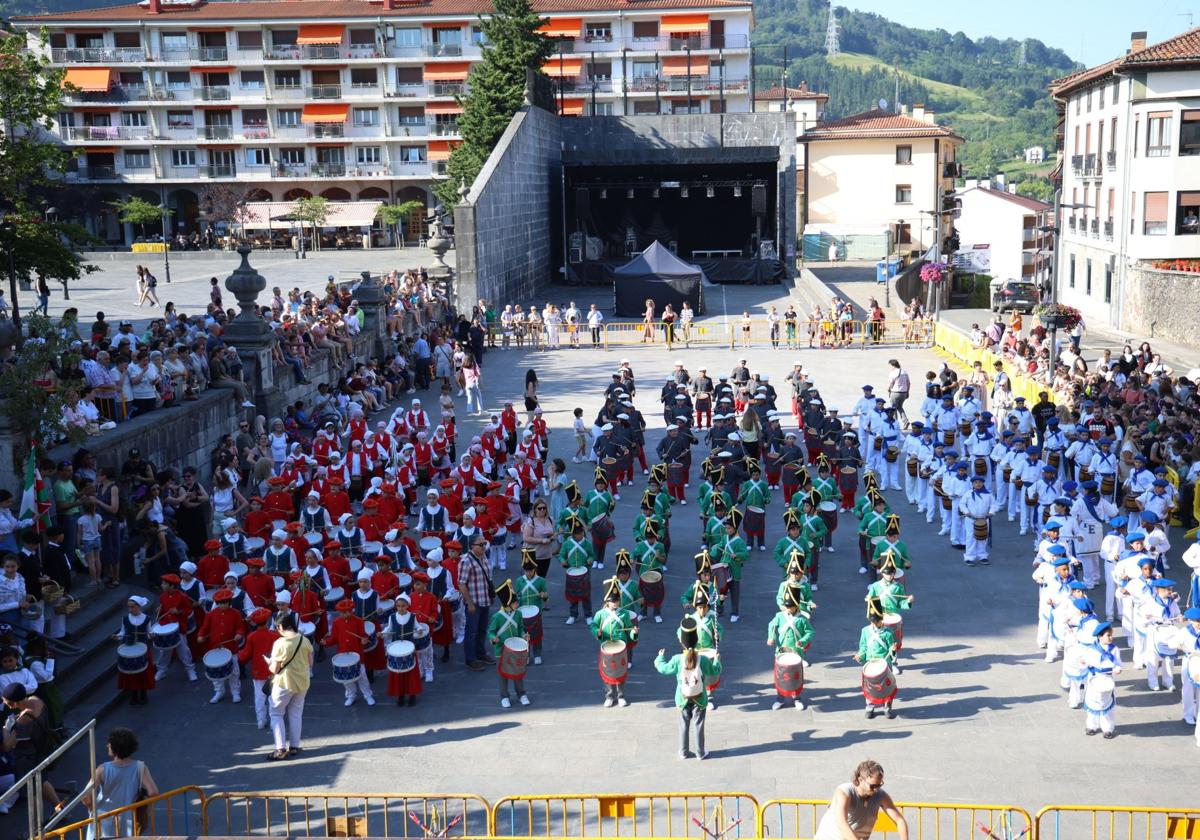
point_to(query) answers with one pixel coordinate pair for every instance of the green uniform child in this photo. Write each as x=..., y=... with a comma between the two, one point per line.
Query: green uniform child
x=704, y=581
x=790, y=632
x=691, y=672
x=876, y=642
x=734, y=552
x=708, y=637
x=507, y=624
x=891, y=542
x=532, y=592
x=613, y=624
x=577, y=553
x=631, y=598
x=871, y=524
x=599, y=504
x=756, y=493
x=813, y=527
x=794, y=541
x=796, y=577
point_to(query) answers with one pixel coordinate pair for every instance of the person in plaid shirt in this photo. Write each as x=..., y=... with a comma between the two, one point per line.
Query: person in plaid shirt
x=475, y=585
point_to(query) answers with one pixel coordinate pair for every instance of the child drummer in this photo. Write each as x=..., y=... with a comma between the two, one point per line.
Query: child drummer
x=507, y=624
x=631, y=597
x=755, y=493
x=704, y=581
x=613, y=624
x=890, y=593
x=794, y=540
x=532, y=592
x=876, y=642
x=790, y=632
x=796, y=577
x=577, y=553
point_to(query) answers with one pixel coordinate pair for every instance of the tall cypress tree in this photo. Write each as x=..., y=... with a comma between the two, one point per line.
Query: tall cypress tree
x=512, y=45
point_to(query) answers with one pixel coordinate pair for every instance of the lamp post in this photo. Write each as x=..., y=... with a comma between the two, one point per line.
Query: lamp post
x=51, y=213
x=162, y=204
x=9, y=231
x=1055, y=230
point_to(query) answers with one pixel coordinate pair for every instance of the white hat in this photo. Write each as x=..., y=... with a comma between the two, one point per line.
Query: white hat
x=435, y=554
x=624, y=361
x=392, y=535
x=313, y=494
x=364, y=574
x=734, y=436
x=622, y=416
x=469, y=513
x=724, y=453
x=431, y=492
x=607, y=427
x=766, y=377
x=679, y=363
x=342, y=519
x=404, y=597
x=188, y=566
x=512, y=472
x=140, y=600
x=227, y=523
x=229, y=575
x=283, y=597
x=278, y=535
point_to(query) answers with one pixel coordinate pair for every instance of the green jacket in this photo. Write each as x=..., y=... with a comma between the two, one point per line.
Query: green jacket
x=663, y=503
x=805, y=586
x=790, y=632
x=649, y=558
x=827, y=487
x=813, y=527
x=576, y=554
x=613, y=625
x=714, y=533
x=674, y=668
x=735, y=552
x=898, y=548
x=876, y=643
x=598, y=504
x=631, y=596
x=783, y=550
x=504, y=625
x=530, y=591
x=872, y=524
x=861, y=506
x=714, y=596
x=706, y=507
x=708, y=630
x=567, y=513
x=755, y=493
x=639, y=525
x=892, y=594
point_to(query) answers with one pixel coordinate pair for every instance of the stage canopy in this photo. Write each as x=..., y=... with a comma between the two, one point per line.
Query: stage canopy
x=659, y=275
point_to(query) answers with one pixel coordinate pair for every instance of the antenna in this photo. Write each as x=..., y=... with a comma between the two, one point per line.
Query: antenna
x=1189, y=16
x=832, y=29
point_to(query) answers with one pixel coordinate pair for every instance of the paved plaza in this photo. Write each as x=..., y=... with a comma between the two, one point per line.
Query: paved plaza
x=981, y=717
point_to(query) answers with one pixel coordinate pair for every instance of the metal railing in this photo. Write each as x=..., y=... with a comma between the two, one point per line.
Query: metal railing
x=105, y=132
x=32, y=783
x=791, y=819
x=210, y=54
x=220, y=170
x=1069, y=822
x=327, y=130
x=328, y=170
x=116, y=93
x=1108, y=229
x=98, y=55
x=436, y=50
x=325, y=92
x=320, y=52
x=346, y=815
x=177, y=812
x=1076, y=163
x=756, y=332
x=214, y=93
x=626, y=815
x=447, y=89
x=1110, y=158
x=217, y=132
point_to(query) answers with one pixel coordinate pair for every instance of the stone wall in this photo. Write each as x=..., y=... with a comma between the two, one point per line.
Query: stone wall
x=1161, y=304
x=504, y=231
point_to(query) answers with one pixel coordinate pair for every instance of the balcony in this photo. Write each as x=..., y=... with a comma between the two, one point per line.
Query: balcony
x=209, y=54
x=953, y=169
x=443, y=129
x=325, y=92
x=98, y=55
x=219, y=170
x=412, y=169
x=442, y=50
x=407, y=91
x=286, y=92
x=326, y=130
x=448, y=89
x=214, y=93
x=289, y=170
x=105, y=132
x=1077, y=164
x=1089, y=165
x=324, y=52
x=681, y=84
x=328, y=170
x=1095, y=228
x=216, y=132
x=411, y=129
x=1110, y=158
x=92, y=173
x=116, y=93
x=1108, y=230
x=1071, y=224
x=255, y=132
x=369, y=90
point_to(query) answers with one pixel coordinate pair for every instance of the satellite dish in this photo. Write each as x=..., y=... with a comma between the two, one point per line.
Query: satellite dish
x=883, y=104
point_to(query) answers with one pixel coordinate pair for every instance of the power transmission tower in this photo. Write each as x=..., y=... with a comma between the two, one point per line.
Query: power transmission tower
x=1021, y=55
x=832, y=30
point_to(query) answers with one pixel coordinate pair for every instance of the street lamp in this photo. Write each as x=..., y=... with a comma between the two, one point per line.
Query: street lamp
x=162, y=204
x=9, y=230
x=1055, y=230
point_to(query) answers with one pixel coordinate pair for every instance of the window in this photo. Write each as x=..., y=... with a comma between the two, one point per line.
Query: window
x=366, y=116
x=1154, y=214
x=599, y=71
x=447, y=35
x=287, y=78
x=1158, y=134
x=409, y=76
x=253, y=79
x=645, y=107
x=904, y=193
x=408, y=37
x=254, y=117
x=179, y=80
x=288, y=117
x=644, y=69
x=1071, y=271
x=250, y=40
x=137, y=158
x=602, y=109
x=127, y=40
x=904, y=155
x=716, y=106
x=1077, y=98
x=284, y=39
x=1089, y=101
x=1132, y=211
x=1187, y=213
x=477, y=36
x=903, y=233
x=412, y=115
x=645, y=30
x=1137, y=125
x=291, y=156
x=183, y=157
x=1087, y=277
x=1189, y=133
x=179, y=119
x=1116, y=92
x=362, y=37
x=1108, y=278
x=412, y=154
x=174, y=42
x=597, y=32
x=134, y=119
x=258, y=157
x=1100, y=94
x=363, y=77
x=366, y=155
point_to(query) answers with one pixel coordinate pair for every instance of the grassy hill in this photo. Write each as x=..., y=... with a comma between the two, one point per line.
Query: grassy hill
x=858, y=61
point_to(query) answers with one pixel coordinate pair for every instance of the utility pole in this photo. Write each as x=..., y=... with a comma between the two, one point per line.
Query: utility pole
x=832, y=30
x=162, y=204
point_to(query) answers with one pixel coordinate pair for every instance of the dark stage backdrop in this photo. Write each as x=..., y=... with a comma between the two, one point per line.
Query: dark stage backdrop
x=660, y=276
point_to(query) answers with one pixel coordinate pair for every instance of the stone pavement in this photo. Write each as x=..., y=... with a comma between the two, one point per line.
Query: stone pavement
x=981, y=717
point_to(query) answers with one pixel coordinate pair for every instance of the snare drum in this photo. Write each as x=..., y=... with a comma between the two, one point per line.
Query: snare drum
x=579, y=585
x=828, y=511
x=676, y=474
x=131, y=659
x=913, y=465
x=1164, y=639
x=514, y=658
x=218, y=664
x=371, y=550
x=614, y=663
x=789, y=674
x=722, y=576
x=346, y=667
x=355, y=566
x=1108, y=484
x=309, y=631
x=371, y=636
x=878, y=682
x=1098, y=694
x=980, y=529
x=711, y=681
x=401, y=657
x=652, y=588
x=280, y=583
x=755, y=520
x=421, y=638
x=164, y=636
x=404, y=581
x=238, y=569
x=313, y=539
x=384, y=610
x=895, y=623
x=892, y=454
x=531, y=616
x=603, y=529
x=428, y=544
x=255, y=546
x=332, y=596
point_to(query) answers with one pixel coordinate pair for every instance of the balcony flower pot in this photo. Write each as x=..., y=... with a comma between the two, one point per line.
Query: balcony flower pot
x=1058, y=316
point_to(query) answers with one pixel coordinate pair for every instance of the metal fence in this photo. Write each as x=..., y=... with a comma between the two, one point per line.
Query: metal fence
x=178, y=812
x=760, y=332
x=640, y=815
x=1076, y=822
x=797, y=819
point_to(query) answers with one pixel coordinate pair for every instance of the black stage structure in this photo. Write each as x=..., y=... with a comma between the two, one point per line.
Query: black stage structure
x=715, y=208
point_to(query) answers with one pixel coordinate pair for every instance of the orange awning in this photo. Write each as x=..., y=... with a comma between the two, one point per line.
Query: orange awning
x=677, y=24
x=562, y=27
x=100, y=150
x=561, y=68
x=677, y=65
x=320, y=33
x=440, y=149
x=449, y=71
x=572, y=107
x=94, y=79
x=443, y=108
x=325, y=112
x=208, y=68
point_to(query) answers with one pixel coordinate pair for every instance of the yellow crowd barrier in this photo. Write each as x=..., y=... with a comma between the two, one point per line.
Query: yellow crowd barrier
x=173, y=812
x=632, y=333
x=951, y=342
x=640, y=815
x=756, y=332
x=301, y=814
x=1076, y=822
x=797, y=819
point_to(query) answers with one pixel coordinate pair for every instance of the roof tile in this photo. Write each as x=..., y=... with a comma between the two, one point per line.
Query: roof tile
x=876, y=123
x=776, y=93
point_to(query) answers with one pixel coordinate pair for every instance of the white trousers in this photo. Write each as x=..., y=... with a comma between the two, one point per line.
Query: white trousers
x=162, y=658
x=1091, y=567
x=262, y=704
x=425, y=661
x=1159, y=668
x=912, y=488
x=976, y=549
x=1104, y=721
x=1191, y=699
x=233, y=682
x=1110, y=591
x=1043, y=628
x=360, y=684
x=287, y=712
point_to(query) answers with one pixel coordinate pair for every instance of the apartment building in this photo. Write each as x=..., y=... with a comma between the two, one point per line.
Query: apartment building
x=1009, y=227
x=353, y=100
x=1130, y=136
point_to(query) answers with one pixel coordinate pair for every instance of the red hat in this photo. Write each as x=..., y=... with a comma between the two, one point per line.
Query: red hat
x=383, y=561
x=495, y=485
x=277, y=481
x=452, y=544
x=296, y=576
x=388, y=487
x=345, y=605
x=370, y=502
x=333, y=545
x=256, y=499
x=170, y=578
x=421, y=576
x=335, y=480
x=212, y=545
x=295, y=527
x=222, y=595
x=260, y=616
x=255, y=562
x=448, y=483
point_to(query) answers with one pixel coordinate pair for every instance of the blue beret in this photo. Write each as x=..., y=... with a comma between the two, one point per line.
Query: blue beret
x=1062, y=500
x=1060, y=561
x=1160, y=470
x=1138, y=457
x=1088, y=485
x=1034, y=450
x=1053, y=421
x=1083, y=604
x=1052, y=525
x=868, y=387
x=987, y=415
x=950, y=453
x=1134, y=536
x=1102, y=627
x=1192, y=614
x=1006, y=433
x=1057, y=550
x=1164, y=583
x=916, y=424
x=1019, y=399
x=975, y=477
x=1151, y=517
x=1118, y=521
x=1105, y=441
x=1049, y=469
x=1161, y=482
x=1069, y=485
x=1081, y=428
x=1077, y=584
x=961, y=466
x=1145, y=560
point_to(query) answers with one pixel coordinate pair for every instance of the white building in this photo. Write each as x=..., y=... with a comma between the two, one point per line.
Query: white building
x=1035, y=154
x=1007, y=226
x=1131, y=170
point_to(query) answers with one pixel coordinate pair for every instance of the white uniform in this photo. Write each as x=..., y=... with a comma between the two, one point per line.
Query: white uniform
x=999, y=458
x=1160, y=659
x=1140, y=591
x=1111, y=549
x=955, y=486
x=1055, y=610
x=912, y=483
x=975, y=504
x=1087, y=520
x=1051, y=588
x=1081, y=636
x=1029, y=469
x=1106, y=660
x=1187, y=639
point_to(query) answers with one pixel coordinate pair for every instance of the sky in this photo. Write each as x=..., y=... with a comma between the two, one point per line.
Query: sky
x=1091, y=31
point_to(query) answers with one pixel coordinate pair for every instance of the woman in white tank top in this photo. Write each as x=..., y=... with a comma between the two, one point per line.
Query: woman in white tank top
x=855, y=807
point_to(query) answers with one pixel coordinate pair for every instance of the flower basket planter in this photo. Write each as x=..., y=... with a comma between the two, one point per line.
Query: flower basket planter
x=1057, y=316
x=1052, y=322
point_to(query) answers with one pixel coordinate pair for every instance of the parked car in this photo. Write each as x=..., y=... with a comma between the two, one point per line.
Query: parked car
x=1014, y=294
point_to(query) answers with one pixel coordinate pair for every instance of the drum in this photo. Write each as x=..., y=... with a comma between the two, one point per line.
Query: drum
x=603, y=529
x=610, y=468
x=308, y=630
x=828, y=511
x=1031, y=499
x=676, y=474
x=191, y=622
x=514, y=658
x=370, y=636
x=847, y=479
x=653, y=590
x=332, y=596
x=1018, y=482
x=721, y=576
x=404, y=581
x=1006, y=475
x=238, y=569
x=218, y=664
x=789, y=674
x=1108, y=484
x=625, y=462
x=937, y=486
x=893, y=453
x=771, y=463
x=1191, y=668
x=792, y=471
x=964, y=428
x=346, y=667
x=1098, y=694
x=755, y=520
x=878, y=444
x=711, y=681
x=878, y=682
x=384, y=610
x=981, y=529
x=313, y=539
x=421, y=637
x=531, y=616
x=913, y=467
x=1132, y=504
x=948, y=437
x=371, y=550
x=131, y=659
x=877, y=540
x=428, y=544
x=280, y=583
x=1053, y=458
x=401, y=657
x=579, y=585
x=1045, y=514
x=895, y=623
x=164, y=636
x=1084, y=474
x=1074, y=663
x=355, y=566
x=1164, y=639
x=255, y=546
x=279, y=524
x=614, y=663
x=980, y=465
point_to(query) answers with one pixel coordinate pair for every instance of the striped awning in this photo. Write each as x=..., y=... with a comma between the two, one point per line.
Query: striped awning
x=682, y=24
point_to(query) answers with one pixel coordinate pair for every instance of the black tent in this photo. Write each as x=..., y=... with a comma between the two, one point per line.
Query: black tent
x=661, y=276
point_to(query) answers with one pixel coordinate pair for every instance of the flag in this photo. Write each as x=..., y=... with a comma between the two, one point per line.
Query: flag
x=35, y=500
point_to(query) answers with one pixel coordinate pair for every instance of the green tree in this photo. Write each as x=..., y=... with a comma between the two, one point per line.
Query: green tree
x=314, y=210
x=396, y=215
x=1040, y=188
x=138, y=211
x=511, y=46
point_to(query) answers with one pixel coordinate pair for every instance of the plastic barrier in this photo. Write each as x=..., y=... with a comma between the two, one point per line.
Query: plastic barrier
x=294, y=814
x=1076, y=822
x=632, y=333
x=797, y=819
x=756, y=332
x=175, y=812
x=627, y=815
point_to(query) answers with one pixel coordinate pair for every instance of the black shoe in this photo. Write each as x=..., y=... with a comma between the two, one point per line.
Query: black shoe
x=412, y=700
x=891, y=713
x=1108, y=736
x=1091, y=732
x=446, y=655
x=870, y=712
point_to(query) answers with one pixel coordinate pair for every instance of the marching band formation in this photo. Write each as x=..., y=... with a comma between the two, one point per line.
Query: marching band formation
x=369, y=538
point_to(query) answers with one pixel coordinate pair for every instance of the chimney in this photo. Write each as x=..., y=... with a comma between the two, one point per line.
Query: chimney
x=155, y=7
x=1137, y=41
x=918, y=111
x=970, y=183
x=804, y=86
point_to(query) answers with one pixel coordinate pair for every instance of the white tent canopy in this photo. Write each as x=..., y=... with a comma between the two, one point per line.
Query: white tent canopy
x=260, y=215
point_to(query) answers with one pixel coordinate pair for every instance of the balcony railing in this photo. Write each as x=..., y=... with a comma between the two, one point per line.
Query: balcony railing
x=411, y=129
x=116, y=93
x=1108, y=229
x=328, y=170
x=447, y=89
x=1071, y=224
x=1110, y=158
x=364, y=89
x=220, y=170
x=214, y=93
x=105, y=132
x=327, y=130
x=92, y=173
x=1095, y=228
x=407, y=91
x=1076, y=163
x=441, y=50
x=217, y=132
x=677, y=84
x=98, y=55
x=443, y=129
x=1089, y=165
x=319, y=52
x=325, y=92
x=289, y=92
x=411, y=168
x=210, y=54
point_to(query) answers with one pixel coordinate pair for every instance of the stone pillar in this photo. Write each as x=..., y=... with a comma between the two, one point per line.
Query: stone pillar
x=370, y=297
x=250, y=334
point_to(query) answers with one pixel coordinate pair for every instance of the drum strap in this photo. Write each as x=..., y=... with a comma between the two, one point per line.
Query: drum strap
x=527, y=584
x=575, y=548
x=627, y=589
x=510, y=623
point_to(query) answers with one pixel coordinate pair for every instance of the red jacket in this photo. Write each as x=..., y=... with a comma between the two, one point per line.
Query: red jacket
x=211, y=569
x=386, y=584
x=259, y=588
x=347, y=633
x=259, y=523
x=322, y=448
x=358, y=429
x=222, y=627
x=338, y=568
x=174, y=607
x=374, y=526
x=424, y=605
x=391, y=507
x=308, y=605
x=279, y=504
x=258, y=644
x=336, y=502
